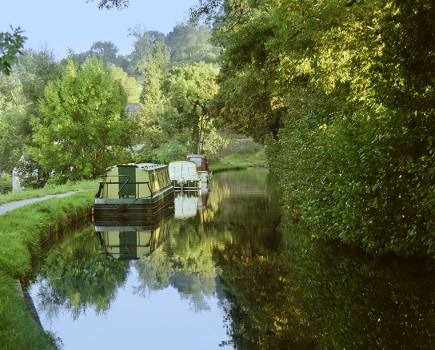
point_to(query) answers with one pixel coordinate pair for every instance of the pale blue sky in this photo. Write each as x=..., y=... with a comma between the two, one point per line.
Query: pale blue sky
x=76, y=24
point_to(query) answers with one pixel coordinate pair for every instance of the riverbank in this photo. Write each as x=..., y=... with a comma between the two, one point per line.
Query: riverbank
x=249, y=155
x=30, y=193
x=22, y=233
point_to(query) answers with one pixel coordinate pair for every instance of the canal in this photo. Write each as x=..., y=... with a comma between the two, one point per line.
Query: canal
x=227, y=269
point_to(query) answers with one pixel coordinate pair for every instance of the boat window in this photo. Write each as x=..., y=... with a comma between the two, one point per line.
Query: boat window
x=197, y=161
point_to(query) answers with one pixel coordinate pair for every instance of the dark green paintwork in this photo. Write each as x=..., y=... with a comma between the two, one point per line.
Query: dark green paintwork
x=129, y=189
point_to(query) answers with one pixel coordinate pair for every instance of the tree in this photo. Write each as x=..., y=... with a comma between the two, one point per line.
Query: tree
x=128, y=84
x=143, y=48
x=189, y=91
x=151, y=95
x=10, y=45
x=190, y=44
x=84, y=128
x=105, y=50
x=345, y=90
x=109, y=4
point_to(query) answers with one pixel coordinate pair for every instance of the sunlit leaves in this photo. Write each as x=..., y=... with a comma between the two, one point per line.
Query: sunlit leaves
x=10, y=45
x=84, y=124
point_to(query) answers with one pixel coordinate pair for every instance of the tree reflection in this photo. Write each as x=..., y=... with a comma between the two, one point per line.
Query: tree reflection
x=322, y=295
x=356, y=301
x=76, y=276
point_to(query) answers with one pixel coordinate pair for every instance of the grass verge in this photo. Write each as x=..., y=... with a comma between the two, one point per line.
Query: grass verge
x=241, y=159
x=21, y=232
x=48, y=190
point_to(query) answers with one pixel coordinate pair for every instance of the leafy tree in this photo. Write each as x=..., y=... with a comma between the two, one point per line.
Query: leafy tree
x=14, y=122
x=10, y=45
x=190, y=44
x=84, y=128
x=128, y=84
x=189, y=90
x=143, y=48
x=109, y=4
x=105, y=50
x=30, y=172
x=151, y=95
x=344, y=88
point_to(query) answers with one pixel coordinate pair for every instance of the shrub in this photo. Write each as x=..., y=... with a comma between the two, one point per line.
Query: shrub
x=5, y=183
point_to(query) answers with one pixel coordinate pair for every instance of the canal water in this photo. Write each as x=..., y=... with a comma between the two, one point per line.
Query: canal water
x=107, y=287
x=230, y=268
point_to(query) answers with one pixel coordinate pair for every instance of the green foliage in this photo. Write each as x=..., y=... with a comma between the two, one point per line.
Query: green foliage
x=109, y=4
x=343, y=92
x=144, y=42
x=170, y=151
x=5, y=183
x=189, y=91
x=151, y=96
x=10, y=45
x=30, y=172
x=84, y=128
x=128, y=84
x=190, y=44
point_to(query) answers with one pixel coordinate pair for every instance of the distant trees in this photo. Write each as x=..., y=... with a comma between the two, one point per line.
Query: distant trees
x=190, y=44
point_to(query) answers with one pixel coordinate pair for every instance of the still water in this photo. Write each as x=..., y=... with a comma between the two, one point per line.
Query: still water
x=106, y=287
x=230, y=269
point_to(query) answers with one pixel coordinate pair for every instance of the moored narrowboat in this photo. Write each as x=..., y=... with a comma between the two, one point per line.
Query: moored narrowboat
x=184, y=175
x=133, y=190
x=202, y=166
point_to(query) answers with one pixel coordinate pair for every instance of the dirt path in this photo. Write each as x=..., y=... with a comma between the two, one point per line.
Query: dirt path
x=4, y=208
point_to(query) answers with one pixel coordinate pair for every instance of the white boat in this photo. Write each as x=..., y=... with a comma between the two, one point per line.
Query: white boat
x=184, y=175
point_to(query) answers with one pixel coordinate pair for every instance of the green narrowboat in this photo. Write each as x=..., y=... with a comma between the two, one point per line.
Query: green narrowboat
x=133, y=190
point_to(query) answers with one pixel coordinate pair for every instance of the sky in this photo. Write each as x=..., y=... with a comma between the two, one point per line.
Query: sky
x=75, y=24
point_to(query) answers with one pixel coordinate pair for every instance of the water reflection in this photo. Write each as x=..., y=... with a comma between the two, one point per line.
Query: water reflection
x=239, y=260
x=95, y=272
x=309, y=294
x=133, y=239
x=75, y=277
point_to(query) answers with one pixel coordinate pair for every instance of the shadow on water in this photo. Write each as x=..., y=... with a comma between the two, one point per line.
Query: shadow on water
x=312, y=294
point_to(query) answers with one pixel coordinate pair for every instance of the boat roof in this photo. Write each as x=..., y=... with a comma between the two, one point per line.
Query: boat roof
x=145, y=166
x=196, y=156
x=182, y=161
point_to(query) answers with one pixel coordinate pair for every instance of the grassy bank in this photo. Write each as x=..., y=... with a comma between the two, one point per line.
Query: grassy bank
x=21, y=233
x=48, y=190
x=251, y=156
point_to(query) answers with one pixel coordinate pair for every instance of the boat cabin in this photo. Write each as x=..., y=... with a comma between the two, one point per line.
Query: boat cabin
x=134, y=181
x=133, y=189
x=184, y=175
x=202, y=166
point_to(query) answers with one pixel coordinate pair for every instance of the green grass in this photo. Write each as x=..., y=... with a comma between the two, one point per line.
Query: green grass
x=48, y=190
x=246, y=157
x=21, y=232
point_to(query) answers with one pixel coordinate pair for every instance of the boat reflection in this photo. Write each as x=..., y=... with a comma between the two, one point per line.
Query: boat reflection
x=187, y=203
x=135, y=238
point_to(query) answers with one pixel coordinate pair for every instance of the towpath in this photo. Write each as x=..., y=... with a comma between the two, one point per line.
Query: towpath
x=4, y=208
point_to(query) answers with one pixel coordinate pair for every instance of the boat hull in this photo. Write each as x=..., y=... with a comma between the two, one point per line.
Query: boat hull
x=132, y=208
